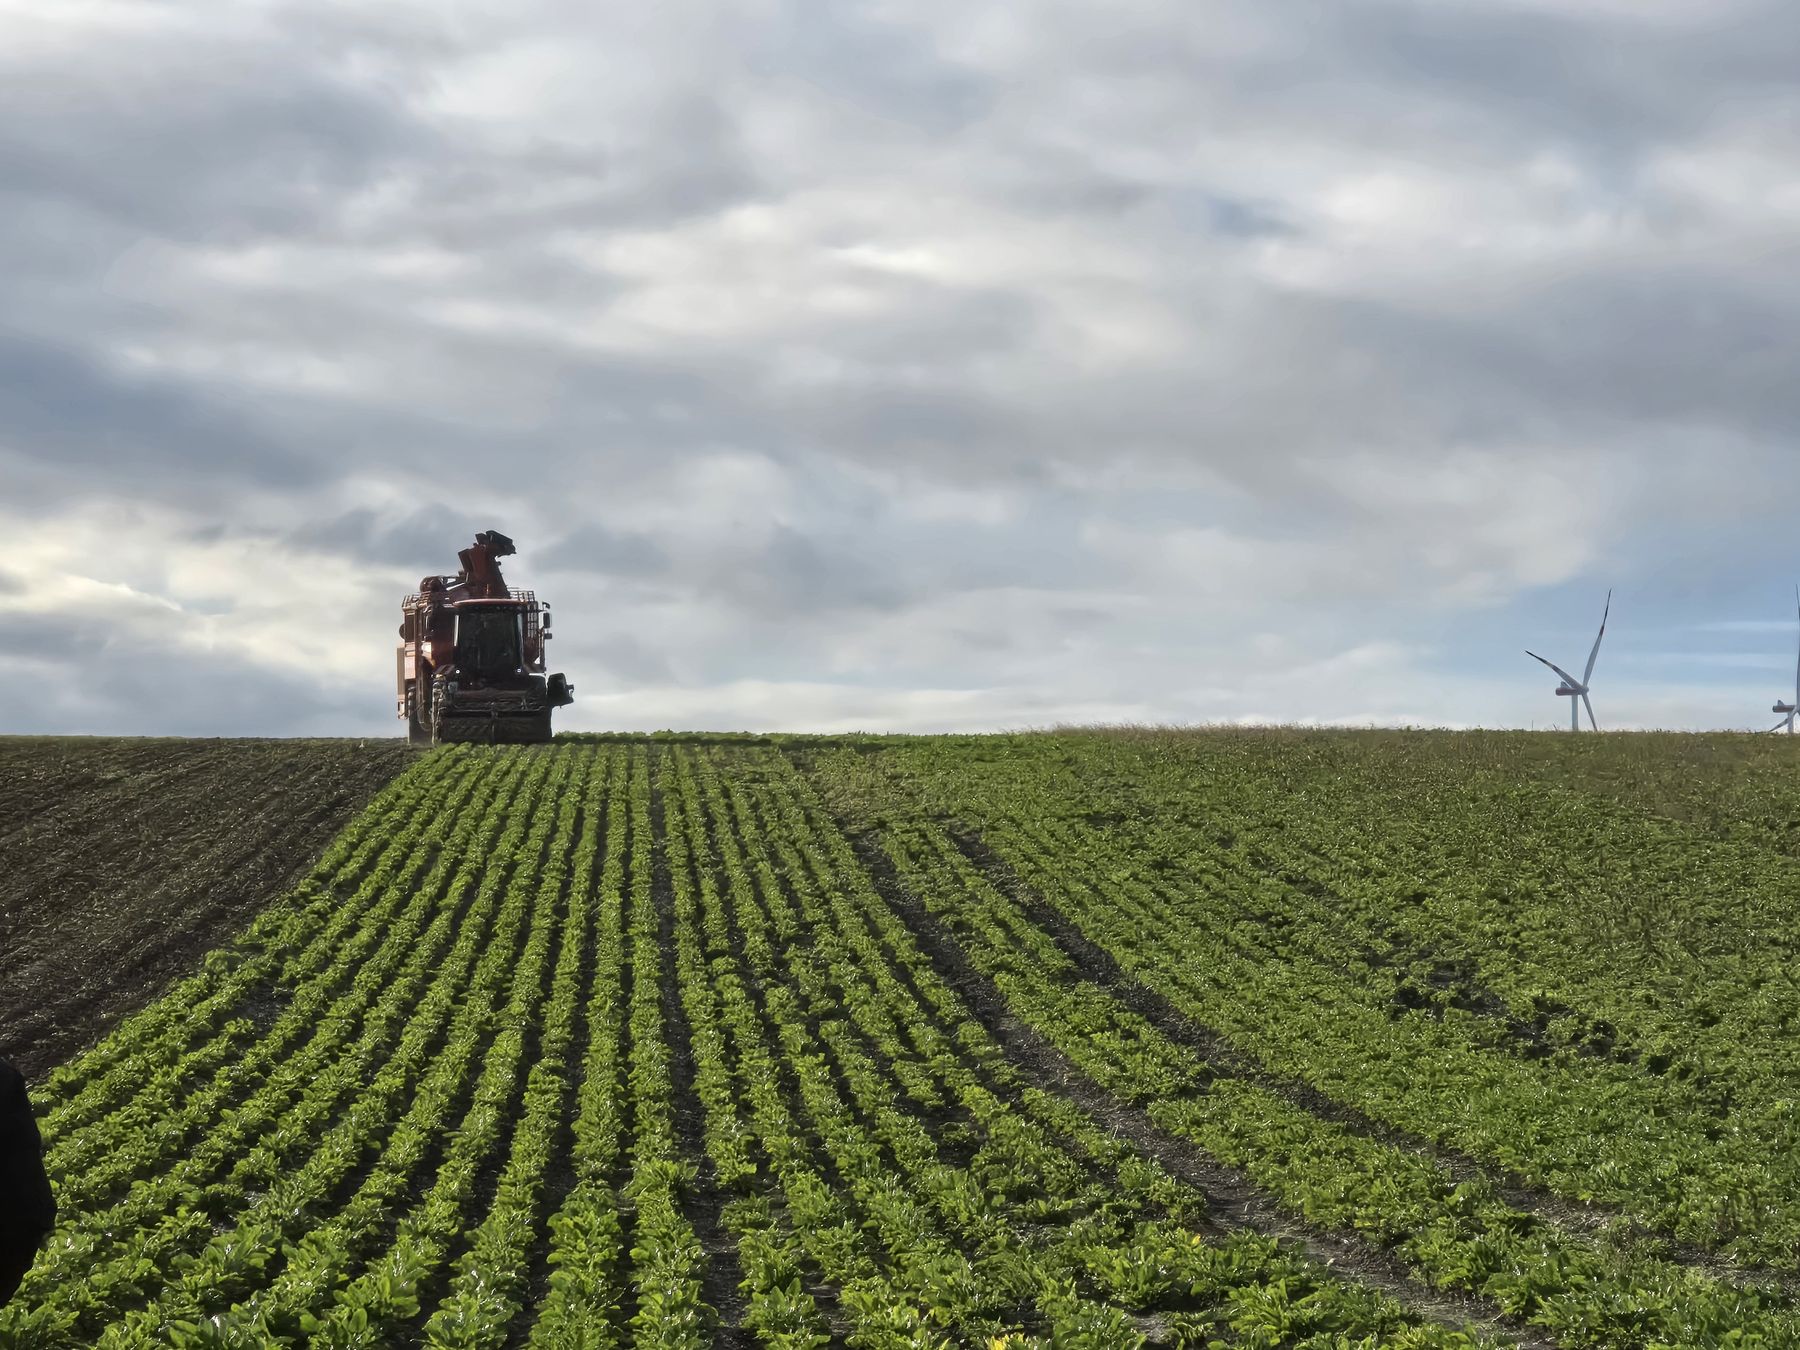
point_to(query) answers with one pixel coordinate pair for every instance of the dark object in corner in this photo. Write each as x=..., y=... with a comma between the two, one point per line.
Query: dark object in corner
x=27, y=1208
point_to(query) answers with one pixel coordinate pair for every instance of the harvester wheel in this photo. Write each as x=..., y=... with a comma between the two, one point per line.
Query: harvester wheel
x=417, y=733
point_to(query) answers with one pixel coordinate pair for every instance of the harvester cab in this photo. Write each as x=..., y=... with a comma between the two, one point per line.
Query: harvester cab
x=471, y=661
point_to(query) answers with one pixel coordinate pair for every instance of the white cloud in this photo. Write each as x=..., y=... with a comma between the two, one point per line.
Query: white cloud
x=126, y=577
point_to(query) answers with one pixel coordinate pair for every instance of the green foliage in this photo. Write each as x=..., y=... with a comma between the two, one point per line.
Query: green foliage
x=619, y=1041
x=1422, y=942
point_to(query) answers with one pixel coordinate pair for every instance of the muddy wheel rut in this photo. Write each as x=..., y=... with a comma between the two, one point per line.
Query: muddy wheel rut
x=722, y=1272
x=1098, y=966
x=1233, y=1200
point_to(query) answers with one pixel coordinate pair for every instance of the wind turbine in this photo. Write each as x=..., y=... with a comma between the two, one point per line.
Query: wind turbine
x=1572, y=688
x=1789, y=709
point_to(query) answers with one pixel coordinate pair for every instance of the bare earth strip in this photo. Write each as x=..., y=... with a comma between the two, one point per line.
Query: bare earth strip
x=123, y=861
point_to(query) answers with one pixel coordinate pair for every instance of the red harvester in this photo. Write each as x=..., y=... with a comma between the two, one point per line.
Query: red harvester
x=471, y=657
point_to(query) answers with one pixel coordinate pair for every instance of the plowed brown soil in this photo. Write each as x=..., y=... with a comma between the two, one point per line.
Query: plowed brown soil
x=123, y=861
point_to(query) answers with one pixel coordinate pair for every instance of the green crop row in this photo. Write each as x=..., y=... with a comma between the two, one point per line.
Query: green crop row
x=106, y=1258
x=841, y=1025
x=288, y=941
x=1457, y=1234
x=282, y=1276
x=586, y=1236
x=435, y=1096
x=487, y=1293
x=397, y=896
x=1332, y=915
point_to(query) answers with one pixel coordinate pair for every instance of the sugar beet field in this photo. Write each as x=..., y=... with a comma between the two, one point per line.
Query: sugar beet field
x=1086, y=1039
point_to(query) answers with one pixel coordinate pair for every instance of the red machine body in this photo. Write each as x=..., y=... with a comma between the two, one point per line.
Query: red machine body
x=470, y=665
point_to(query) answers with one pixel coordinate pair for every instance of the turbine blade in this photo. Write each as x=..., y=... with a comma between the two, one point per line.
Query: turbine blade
x=1594, y=655
x=1779, y=725
x=1590, y=707
x=1572, y=681
x=1797, y=659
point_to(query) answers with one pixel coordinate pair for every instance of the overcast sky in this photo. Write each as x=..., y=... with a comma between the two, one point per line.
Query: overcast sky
x=912, y=365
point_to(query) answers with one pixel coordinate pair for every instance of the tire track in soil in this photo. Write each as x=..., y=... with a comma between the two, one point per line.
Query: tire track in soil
x=1104, y=1115
x=722, y=1274
x=825, y=1292
x=1099, y=967
x=816, y=1011
x=1010, y=1089
x=1007, y=1088
x=906, y=984
x=619, y=1181
x=1233, y=1201
x=1383, y=946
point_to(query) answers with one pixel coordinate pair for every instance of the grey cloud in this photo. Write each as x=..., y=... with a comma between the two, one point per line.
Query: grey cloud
x=1485, y=80
x=990, y=640
x=884, y=420
x=1602, y=85
x=1061, y=184
x=199, y=139
x=802, y=573
x=1669, y=343
x=426, y=540
x=780, y=595
x=1246, y=219
x=72, y=674
x=1096, y=219
x=684, y=160
x=595, y=548
x=42, y=644
x=67, y=409
x=238, y=143
x=883, y=69
x=1625, y=355
x=789, y=573
x=1082, y=618
x=622, y=656
x=931, y=332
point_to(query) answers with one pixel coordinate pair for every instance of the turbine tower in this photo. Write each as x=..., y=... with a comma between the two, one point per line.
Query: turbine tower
x=1572, y=688
x=1789, y=709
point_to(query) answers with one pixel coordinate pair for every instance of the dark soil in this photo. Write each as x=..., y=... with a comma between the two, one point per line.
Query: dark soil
x=123, y=861
x=721, y=1274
